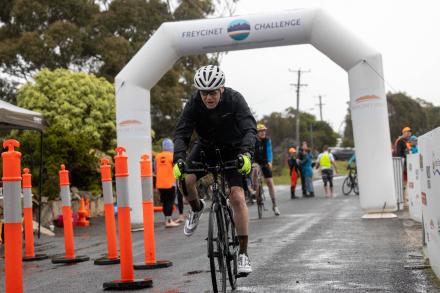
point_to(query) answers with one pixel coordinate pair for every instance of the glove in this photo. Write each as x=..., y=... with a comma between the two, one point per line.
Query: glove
x=179, y=169
x=245, y=164
x=269, y=165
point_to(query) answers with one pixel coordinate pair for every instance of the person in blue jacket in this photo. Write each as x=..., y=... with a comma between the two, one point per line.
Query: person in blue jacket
x=413, y=142
x=307, y=169
x=263, y=157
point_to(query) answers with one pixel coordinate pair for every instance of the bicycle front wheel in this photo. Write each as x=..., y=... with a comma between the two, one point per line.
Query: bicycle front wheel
x=216, y=249
x=232, y=251
x=347, y=186
x=356, y=185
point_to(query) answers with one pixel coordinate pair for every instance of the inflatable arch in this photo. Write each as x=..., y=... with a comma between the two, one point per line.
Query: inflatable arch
x=304, y=26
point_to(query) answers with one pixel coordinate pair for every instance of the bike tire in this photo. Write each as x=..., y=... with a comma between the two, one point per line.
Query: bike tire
x=347, y=186
x=260, y=207
x=216, y=253
x=233, y=247
x=356, y=185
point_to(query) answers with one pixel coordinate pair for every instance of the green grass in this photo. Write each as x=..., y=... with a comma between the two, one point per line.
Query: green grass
x=284, y=178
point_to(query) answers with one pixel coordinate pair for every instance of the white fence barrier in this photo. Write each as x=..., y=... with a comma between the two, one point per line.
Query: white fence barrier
x=429, y=147
x=398, y=181
x=414, y=196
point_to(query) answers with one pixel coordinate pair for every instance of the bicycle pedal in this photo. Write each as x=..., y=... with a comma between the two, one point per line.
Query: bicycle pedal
x=242, y=275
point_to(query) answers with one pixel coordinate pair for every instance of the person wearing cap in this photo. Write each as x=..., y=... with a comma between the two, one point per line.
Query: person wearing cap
x=413, y=142
x=221, y=119
x=165, y=181
x=401, y=144
x=301, y=159
x=263, y=157
x=294, y=171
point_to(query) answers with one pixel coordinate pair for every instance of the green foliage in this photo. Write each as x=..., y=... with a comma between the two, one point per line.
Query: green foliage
x=80, y=111
x=281, y=129
x=97, y=37
x=403, y=110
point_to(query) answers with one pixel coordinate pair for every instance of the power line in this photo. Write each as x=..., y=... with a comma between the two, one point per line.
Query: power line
x=298, y=86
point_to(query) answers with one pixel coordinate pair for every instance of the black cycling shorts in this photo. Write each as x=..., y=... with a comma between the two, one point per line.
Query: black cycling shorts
x=327, y=176
x=233, y=177
x=267, y=172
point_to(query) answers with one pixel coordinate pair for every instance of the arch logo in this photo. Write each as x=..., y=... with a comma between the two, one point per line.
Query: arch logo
x=239, y=29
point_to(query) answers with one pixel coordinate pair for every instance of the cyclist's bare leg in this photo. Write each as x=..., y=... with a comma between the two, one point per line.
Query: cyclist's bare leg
x=192, y=197
x=270, y=185
x=255, y=183
x=241, y=217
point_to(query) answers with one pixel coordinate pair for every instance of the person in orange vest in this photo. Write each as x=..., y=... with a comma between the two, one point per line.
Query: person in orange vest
x=165, y=181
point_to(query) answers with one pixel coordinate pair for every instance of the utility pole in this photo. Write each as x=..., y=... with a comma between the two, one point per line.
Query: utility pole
x=298, y=86
x=320, y=104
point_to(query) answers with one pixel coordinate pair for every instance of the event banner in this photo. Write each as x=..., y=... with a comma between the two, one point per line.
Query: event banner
x=414, y=196
x=430, y=183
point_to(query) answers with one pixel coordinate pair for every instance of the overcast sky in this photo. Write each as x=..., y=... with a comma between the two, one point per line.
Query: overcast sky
x=407, y=33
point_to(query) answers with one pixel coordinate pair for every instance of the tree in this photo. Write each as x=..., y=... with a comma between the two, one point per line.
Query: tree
x=97, y=37
x=281, y=129
x=80, y=113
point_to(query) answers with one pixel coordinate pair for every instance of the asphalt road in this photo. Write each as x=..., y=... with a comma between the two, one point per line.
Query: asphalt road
x=316, y=245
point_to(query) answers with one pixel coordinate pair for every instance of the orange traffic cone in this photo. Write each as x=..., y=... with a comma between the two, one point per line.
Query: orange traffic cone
x=82, y=214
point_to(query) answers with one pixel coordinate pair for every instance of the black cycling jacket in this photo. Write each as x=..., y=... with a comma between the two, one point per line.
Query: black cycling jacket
x=229, y=125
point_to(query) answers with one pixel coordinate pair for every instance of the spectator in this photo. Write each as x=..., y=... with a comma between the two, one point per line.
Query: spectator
x=413, y=141
x=165, y=181
x=326, y=161
x=294, y=171
x=403, y=148
x=301, y=155
x=307, y=171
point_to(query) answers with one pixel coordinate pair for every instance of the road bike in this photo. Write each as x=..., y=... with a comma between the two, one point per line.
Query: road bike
x=223, y=245
x=350, y=182
x=260, y=195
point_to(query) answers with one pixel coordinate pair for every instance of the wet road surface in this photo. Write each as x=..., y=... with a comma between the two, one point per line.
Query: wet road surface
x=316, y=245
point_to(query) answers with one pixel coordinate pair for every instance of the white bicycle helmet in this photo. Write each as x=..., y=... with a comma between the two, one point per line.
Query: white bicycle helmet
x=209, y=78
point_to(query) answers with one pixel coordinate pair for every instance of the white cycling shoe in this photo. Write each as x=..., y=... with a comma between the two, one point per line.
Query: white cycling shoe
x=192, y=221
x=244, y=265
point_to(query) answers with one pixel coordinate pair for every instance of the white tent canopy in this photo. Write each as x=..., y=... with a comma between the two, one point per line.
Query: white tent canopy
x=303, y=26
x=12, y=116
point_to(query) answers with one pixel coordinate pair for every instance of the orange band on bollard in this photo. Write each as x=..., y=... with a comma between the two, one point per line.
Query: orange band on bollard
x=27, y=179
x=29, y=232
x=146, y=166
x=121, y=163
x=68, y=232
x=127, y=271
x=149, y=242
x=110, y=226
x=64, y=176
x=11, y=161
x=106, y=172
x=13, y=262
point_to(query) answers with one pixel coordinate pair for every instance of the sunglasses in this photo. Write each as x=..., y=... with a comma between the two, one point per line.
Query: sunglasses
x=210, y=93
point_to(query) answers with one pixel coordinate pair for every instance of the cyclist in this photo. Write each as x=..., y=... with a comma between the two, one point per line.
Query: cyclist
x=326, y=161
x=221, y=118
x=263, y=157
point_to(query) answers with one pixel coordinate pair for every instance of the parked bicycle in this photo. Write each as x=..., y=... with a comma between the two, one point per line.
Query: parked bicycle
x=350, y=182
x=223, y=245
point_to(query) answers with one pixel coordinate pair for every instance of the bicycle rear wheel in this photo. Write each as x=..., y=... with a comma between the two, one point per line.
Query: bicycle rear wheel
x=232, y=252
x=347, y=186
x=216, y=249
